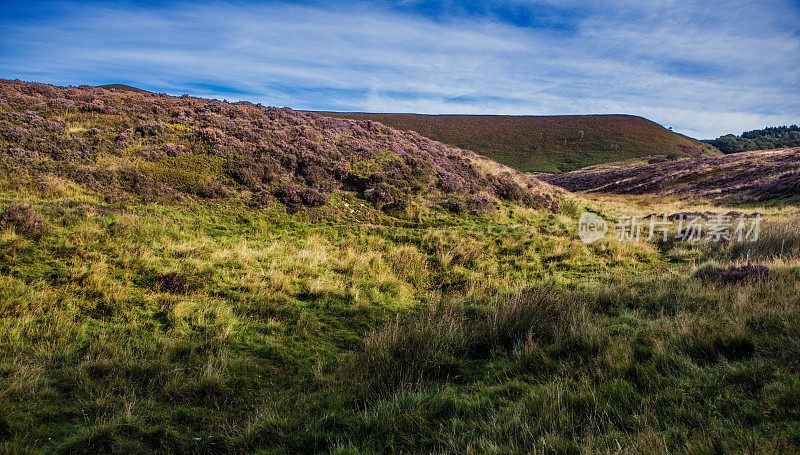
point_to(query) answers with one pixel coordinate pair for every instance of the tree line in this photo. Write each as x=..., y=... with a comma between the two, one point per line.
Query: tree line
x=772, y=137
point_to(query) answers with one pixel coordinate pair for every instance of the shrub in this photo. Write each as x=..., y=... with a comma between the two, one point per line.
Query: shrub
x=450, y=183
x=210, y=136
x=400, y=208
x=378, y=194
x=732, y=274
x=211, y=190
x=24, y=220
x=174, y=149
x=313, y=198
x=141, y=184
x=294, y=197
x=262, y=198
x=472, y=203
x=172, y=282
x=317, y=176
x=571, y=207
x=657, y=159
x=509, y=190
x=45, y=90
x=150, y=129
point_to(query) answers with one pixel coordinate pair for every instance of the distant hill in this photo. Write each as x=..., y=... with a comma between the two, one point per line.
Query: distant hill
x=773, y=137
x=741, y=177
x=122, y=88
x=548, y=143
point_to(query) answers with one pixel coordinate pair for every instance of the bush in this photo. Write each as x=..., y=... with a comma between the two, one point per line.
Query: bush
x=472, y=203
x=572, y=208
x=400, y=208
x=172, y=282
x=377, y=194
x=732, y=274
x=509, y=191
x=294, y=197
x=24, y=220
x=246, y=173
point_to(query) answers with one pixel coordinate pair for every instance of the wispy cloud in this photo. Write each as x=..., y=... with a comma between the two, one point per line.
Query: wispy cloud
x=704, y=68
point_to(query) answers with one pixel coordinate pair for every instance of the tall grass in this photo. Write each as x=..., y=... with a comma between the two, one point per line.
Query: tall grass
x=778, y=239
x=220, y=329
x=434, y=344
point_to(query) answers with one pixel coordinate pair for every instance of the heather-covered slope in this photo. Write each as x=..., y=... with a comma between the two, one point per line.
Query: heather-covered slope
x=746, y=176
x=139, y=145
x=548, y=143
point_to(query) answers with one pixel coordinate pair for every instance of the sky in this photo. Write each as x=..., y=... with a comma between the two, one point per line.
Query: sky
x=703, y=67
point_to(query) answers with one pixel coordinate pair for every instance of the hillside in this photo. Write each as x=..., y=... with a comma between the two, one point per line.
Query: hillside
x=747, y=176
x=135, y=144
x=548, y=143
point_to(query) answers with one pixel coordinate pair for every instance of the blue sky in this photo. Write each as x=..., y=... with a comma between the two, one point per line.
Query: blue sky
x=704, y=68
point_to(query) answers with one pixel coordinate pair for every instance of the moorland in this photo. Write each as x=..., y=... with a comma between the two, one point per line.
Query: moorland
x=182, y=275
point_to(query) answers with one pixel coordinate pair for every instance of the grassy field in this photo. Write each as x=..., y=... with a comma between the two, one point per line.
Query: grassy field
x=216, y=328
x=558, y=143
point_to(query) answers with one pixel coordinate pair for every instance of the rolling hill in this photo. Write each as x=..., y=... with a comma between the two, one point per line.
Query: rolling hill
x=548, y=143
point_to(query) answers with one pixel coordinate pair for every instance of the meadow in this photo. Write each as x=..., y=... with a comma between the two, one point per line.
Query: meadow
x=218, y=328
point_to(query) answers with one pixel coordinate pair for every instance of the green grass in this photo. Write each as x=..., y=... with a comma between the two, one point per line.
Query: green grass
x=470, y=334
x=548, y=143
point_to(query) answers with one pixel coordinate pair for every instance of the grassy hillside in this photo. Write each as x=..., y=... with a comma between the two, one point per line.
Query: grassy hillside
x=548, y=143
x=174, y=278
x=745, y=177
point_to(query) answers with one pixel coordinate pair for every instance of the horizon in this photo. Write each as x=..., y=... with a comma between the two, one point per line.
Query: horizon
x=694, y=67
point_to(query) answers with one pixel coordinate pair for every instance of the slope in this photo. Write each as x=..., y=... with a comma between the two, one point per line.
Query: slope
x=548, y=143
x=746, y=176
x=154, y=147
